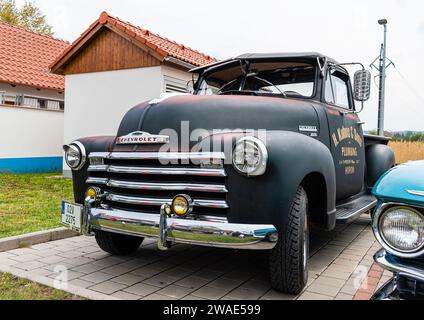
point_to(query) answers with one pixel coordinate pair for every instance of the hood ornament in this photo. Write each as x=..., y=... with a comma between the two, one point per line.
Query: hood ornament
x=140, y=137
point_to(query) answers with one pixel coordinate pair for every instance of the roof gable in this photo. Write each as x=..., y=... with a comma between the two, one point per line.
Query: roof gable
x=152, y=44
x=25, y=58
x=108, y=51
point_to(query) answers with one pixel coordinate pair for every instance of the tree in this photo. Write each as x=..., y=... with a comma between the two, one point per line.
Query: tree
x=28, y=16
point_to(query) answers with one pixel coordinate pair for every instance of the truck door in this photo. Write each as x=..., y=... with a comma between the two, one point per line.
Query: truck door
x=346, y=136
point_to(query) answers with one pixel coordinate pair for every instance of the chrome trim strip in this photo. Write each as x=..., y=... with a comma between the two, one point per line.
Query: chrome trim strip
x=390, y=263
x=375, y=227
x=220, y=204
x=211, y=233
x=158, y=186
x=416, y=192
x=159, y=155
x=208, y=172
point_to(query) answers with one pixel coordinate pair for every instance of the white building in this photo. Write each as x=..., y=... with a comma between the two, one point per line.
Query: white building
x=31, y=102
x=114, y=66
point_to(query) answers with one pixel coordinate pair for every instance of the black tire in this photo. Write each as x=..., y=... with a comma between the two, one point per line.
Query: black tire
x=289, y=259
x=117, y=244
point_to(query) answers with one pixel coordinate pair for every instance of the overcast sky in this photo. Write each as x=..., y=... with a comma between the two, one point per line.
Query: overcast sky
x=345, y=30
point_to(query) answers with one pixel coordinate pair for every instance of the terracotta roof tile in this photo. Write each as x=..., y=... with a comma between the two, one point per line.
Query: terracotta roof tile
x=163, y=46
x=25, y=58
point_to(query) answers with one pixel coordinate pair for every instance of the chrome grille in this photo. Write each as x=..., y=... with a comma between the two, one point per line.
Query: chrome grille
x=138, y=181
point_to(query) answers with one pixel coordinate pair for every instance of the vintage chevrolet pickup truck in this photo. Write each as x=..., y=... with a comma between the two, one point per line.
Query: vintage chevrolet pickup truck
x=265, y=146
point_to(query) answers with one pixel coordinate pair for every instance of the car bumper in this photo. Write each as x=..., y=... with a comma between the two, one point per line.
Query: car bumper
x=209, y=231
x=390, y=290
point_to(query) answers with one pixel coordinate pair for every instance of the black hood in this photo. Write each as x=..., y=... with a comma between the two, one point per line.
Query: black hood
x=219, y=112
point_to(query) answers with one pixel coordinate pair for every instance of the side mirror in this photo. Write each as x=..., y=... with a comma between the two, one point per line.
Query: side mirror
x=362, y=85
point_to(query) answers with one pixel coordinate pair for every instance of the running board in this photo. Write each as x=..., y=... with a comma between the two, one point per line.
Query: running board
x=348, y=212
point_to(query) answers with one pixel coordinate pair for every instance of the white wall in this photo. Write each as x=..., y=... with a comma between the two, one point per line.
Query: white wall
x=26, y=132
x=96, y=102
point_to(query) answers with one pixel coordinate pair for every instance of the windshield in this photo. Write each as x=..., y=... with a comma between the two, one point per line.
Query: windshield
x=260, y=78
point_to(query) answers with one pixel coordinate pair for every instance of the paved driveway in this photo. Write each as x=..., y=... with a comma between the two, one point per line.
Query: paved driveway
x=340, y=262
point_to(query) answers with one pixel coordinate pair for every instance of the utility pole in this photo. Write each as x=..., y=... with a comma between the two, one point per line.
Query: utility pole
x=382, y=66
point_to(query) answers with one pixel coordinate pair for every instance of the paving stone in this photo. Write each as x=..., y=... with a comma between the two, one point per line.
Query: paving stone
x=343, y=296
x=156, y=296
x=128, y=279
x=207, y=274
x=22, y=251
x=47, y=252
x=71, y=275
x=25, y=257
x=323, y=289
x=141, y=289
x=191, y=297
x=328, y=281
x=210, y=293
x=108, y=261
x=87, y=268
x=108, y=287
x=81, y=283
x=6, y=255
x=225, y=283
x=52, y=259
x=245, y=294
x=275, y=295
x=97, y=277
x=30, y=265
x=118, y=270
x=159, y=280
x=8, y=262
x=175, y=291
x=336, y=274
x=192, y=282
x=125, y=296
x=313, y=296
x=70, y=254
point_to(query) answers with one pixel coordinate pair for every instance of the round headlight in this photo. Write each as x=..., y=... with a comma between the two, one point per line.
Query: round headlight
x=75, y=155
x=250, y=156
x=402, y=229
x=182, y=205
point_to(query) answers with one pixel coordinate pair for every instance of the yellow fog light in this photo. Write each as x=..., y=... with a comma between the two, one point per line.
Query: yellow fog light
x=93, y=193
x=182, y=205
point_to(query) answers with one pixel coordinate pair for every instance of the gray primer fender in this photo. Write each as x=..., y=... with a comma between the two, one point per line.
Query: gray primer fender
x=379, y=159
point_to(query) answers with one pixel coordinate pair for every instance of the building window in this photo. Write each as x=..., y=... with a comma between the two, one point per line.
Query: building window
x=175, y=85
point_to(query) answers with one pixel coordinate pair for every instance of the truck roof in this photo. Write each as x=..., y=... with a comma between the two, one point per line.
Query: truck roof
x=266, y=56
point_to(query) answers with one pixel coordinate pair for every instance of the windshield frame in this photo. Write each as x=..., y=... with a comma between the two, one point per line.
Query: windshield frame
x=246, y=63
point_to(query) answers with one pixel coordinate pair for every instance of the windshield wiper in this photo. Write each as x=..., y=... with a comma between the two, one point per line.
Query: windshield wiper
x=271, y=84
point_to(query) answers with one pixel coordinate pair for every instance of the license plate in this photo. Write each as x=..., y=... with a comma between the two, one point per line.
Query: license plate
x=72, y=215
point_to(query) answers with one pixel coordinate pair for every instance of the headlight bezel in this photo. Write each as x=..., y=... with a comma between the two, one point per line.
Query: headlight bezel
x=263, y=152
x=76, y=145
x=376, y=226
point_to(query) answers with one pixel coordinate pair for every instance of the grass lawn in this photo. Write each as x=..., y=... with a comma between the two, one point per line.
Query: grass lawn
x=13, y=288
x=31, y=202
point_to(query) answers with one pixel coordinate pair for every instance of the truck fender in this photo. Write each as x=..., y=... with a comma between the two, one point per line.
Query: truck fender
x=379, y=159
x=297, y=160
x=79, y=177
x=293, y=159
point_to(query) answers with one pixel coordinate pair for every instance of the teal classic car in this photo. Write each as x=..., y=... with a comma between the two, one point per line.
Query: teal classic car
x=398, y=224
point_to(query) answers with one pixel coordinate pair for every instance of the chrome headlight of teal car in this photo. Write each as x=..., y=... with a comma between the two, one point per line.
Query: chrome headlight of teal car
x=400, y=229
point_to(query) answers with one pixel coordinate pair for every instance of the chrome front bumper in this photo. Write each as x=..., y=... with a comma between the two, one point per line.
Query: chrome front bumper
x=209, y=231
x=389, y=291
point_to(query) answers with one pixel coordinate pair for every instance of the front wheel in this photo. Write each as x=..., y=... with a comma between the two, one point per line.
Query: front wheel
x=117, y=244
x=289, y=258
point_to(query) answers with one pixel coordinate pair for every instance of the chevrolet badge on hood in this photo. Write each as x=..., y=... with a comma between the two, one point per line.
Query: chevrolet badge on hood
x=140, y=137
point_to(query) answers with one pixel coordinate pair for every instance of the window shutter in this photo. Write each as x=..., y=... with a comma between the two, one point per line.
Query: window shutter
x=173, y=85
